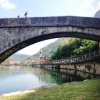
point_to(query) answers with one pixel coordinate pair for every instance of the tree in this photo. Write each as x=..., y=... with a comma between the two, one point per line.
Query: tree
x=74, y=47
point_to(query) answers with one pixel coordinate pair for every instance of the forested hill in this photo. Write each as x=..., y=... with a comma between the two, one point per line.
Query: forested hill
x=74, y=47
x=50, y=49
x=16, y=58
x=68, y=47
x=19, y=57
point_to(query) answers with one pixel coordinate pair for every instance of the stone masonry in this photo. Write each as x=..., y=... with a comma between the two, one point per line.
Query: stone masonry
x=17, y=33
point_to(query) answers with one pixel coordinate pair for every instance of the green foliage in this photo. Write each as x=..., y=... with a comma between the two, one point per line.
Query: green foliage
x=75, y=47
x=86, y=46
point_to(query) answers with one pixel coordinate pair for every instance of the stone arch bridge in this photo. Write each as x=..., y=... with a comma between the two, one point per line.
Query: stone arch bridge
x=17, y=33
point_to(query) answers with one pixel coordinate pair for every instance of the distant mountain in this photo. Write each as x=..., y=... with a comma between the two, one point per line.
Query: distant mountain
x=18, y=57
x=97, y=15
x=49, y=49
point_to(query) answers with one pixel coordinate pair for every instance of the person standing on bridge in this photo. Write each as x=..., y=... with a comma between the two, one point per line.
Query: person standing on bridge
x=18, y=16
x=25, y=15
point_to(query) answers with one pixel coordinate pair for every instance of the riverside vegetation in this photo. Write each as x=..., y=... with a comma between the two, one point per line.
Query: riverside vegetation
x=73, y=47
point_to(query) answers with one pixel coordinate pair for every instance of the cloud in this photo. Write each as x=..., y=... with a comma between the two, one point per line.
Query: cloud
x=93, y=7
x=89, y=7
x=98, y=5
x=7, y=4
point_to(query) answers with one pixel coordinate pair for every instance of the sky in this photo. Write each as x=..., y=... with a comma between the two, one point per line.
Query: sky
x=38, y=8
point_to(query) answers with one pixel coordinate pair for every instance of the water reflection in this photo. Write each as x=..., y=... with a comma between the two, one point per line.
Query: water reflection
x=68, y=75
x=18, y=78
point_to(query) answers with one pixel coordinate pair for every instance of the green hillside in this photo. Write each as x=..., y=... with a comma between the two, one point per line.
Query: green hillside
x=50, y=49
x=68, y=47
x=73, y=47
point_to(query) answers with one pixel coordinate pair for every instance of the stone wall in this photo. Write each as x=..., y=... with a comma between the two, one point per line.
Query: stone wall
x=88, y=67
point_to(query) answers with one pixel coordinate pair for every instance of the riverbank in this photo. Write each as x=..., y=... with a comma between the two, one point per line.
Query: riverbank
x=86, y=90
x=27, y=91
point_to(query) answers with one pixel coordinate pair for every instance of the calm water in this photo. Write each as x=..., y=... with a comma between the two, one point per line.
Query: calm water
x=18, y=78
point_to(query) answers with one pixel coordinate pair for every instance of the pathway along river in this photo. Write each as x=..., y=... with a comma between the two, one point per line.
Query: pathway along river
x=20, y=78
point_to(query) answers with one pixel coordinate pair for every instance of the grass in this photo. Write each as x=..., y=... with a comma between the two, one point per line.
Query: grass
x=86, y=90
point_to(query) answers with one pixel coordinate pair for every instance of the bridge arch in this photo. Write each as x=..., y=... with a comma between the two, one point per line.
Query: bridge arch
x=15, y=36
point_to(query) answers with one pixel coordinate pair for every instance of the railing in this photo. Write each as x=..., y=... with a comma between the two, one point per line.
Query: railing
x=82, y=58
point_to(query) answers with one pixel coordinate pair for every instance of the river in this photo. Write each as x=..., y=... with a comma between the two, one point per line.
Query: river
x=20, y=78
